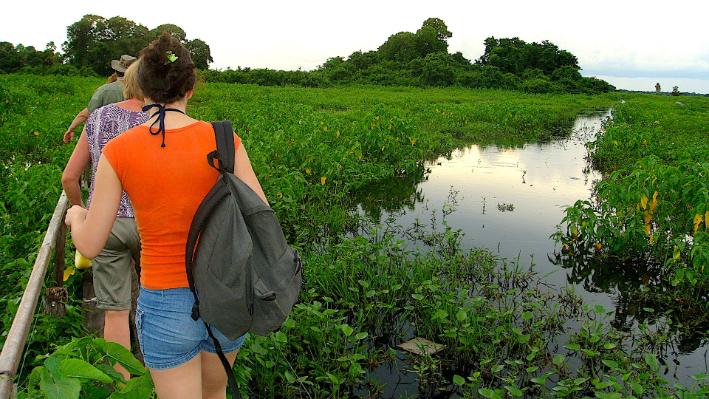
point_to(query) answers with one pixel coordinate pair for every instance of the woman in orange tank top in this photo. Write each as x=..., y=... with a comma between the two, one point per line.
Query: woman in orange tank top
x=162, y=166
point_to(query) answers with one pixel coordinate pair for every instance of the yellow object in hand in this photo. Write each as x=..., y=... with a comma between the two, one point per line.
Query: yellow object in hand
x=81, y=262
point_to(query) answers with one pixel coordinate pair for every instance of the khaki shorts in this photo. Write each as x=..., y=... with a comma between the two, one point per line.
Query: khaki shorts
x=112, y=267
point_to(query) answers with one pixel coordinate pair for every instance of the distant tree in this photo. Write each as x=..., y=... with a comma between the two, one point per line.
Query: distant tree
x=675, y=91
x=427, y=42
x=400, y=47
x=200, y=53
x=174, y=30
x=658, y=88
x=94, y=41
x=442, y=32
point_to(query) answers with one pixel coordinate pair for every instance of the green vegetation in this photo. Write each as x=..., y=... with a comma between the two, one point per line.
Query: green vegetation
x=317, y=153
x=648, y=220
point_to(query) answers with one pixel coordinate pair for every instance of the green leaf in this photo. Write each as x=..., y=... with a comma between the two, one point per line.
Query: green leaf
x=700, y=377
x=637, y=388
x=599, y=309
x=650, y=310
x=558, y=359
x=334, y=379
x=137, y=393
x=117, y=353
x=361, y=335
x=488, y=393
x=417, y=297
x=347, y=330
x=61, y=388
x=527, y=315
x=458, y=380
x=651, y=360
x=610, y=363
x=610, y=346
x=289, y=377
x=514, y=391
x=281, y=337
x=77, y=368
x=573, y=347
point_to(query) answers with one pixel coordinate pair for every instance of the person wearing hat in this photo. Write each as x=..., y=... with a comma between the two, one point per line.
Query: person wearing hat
x=109, y=93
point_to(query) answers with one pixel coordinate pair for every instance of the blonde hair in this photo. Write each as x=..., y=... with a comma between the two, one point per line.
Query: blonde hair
x=131, y=88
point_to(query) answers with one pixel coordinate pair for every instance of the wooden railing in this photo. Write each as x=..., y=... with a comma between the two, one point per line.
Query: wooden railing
x=17, y=336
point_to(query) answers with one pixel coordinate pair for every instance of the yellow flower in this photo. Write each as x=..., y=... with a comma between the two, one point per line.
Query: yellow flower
x=338, y=133
x=68, y=271
x=307, y=171
x=648, y=217
x=652, y=238
x=280, y=195
x=36, y=133
x=646, y=229
x=697, y=220
x=325, y=129
x=413, y=141
x=323, y=179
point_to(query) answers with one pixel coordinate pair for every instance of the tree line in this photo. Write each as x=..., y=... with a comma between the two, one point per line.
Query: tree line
x=422, y=59
x=91, y=44
x=419, y=59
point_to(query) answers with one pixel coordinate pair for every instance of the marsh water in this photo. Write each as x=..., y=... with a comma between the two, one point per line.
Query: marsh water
x=511, y=200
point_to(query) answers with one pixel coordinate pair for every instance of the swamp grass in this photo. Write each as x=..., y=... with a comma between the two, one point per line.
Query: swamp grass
x=315, y=151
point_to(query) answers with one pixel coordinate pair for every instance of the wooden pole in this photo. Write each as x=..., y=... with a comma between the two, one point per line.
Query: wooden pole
x=17, y=336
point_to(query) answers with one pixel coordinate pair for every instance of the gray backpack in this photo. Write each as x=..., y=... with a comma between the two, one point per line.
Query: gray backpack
x=242, y=272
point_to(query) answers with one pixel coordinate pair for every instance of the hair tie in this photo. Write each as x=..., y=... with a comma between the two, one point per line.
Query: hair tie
x=160, y=120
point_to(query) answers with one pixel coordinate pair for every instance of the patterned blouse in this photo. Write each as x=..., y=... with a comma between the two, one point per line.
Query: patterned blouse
x=103, y=125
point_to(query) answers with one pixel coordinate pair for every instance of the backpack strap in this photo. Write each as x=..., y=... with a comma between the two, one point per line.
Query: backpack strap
x=224, y=135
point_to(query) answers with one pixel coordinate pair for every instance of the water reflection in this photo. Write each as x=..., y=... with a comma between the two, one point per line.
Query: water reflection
x=511, y=200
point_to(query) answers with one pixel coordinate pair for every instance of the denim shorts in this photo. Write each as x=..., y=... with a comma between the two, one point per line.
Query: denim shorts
x=168, y=335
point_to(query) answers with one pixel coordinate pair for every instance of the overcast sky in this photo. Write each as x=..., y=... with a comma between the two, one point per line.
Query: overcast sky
x=627, y=40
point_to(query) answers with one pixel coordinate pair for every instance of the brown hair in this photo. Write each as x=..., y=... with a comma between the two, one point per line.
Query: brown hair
x=131, y=88
x=112, y=78
x=166, y=72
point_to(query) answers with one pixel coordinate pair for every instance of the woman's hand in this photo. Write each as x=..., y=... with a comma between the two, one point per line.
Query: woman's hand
x=75, y=214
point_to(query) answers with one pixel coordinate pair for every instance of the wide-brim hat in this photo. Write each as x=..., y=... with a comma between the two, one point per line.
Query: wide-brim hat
x=122, y=64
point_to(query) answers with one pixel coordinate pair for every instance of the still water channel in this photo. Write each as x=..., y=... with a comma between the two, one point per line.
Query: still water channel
x=511, y=200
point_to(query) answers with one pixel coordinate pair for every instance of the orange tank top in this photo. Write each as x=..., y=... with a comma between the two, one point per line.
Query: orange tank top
x=165, y=185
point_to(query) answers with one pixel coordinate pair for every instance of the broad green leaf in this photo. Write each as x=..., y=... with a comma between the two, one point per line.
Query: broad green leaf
x=651, y=360
x=700, y=377
x=361, y=335
x=610, y=346
x=488, y=393
x=347, y=330
x=558, y=359
x=514, y=391
x=117, y=353
x=527, y=315
x=610, y=363
x=77, y=368
x=458, y=380
x=61, y=388
x=637, y=388
x=417, y=297
x=289, y=377
x=137, y=393
x=281, y=337
x=599, y=309
x=573, y=347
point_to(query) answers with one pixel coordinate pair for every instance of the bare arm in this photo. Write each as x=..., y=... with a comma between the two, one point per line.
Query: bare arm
x=90, y=228
x=80, y=118
x=244, y=171
x=79, y=160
